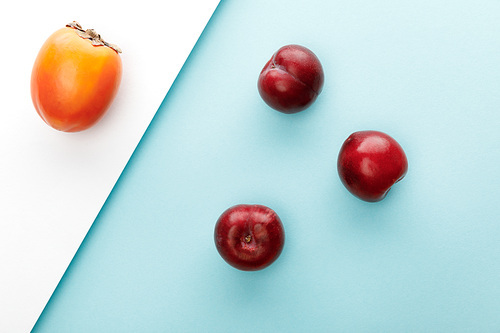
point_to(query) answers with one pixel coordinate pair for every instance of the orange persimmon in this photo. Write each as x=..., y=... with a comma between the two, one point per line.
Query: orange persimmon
x=75, y=78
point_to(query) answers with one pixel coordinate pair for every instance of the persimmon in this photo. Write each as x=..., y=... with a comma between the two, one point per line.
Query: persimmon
x=75, y=78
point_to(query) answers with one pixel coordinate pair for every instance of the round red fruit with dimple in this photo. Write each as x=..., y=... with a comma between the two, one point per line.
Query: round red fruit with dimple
x=291, y=80
x=370, y=163
x=249, y=237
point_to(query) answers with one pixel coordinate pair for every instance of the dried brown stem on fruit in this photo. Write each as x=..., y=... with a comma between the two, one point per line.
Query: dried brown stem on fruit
x=92, y=35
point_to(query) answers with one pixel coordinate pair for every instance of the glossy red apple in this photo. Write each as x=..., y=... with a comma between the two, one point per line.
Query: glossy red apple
x=291, y=80
x=369, y=163
x=249, y=237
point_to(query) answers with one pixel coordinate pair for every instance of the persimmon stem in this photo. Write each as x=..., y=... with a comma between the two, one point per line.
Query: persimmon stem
x=92, y=35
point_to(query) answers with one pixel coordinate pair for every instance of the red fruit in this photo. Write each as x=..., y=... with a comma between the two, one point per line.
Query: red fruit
x=249, y=237
x=369, y=163
x=291, y=80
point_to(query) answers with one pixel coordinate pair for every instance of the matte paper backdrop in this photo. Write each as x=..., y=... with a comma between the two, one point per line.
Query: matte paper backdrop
x=425, y=259
x=52, y=184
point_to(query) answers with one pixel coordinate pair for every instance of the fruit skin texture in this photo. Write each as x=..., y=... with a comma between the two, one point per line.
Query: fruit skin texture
x=369, y=163
x=291, y=80
x=249, y=237
x=74, y=82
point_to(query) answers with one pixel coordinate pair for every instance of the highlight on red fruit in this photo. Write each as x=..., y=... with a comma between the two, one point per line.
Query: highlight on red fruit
x=370, y=163
x=249, y=237
x=291, y=80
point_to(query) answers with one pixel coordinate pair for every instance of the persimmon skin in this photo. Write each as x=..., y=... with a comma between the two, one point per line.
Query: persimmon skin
x=73, y=82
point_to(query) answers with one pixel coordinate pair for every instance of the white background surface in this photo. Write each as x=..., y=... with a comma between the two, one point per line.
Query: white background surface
x=53, y=184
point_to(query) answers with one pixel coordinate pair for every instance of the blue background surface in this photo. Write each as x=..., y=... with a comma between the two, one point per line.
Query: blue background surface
x=425, y=259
